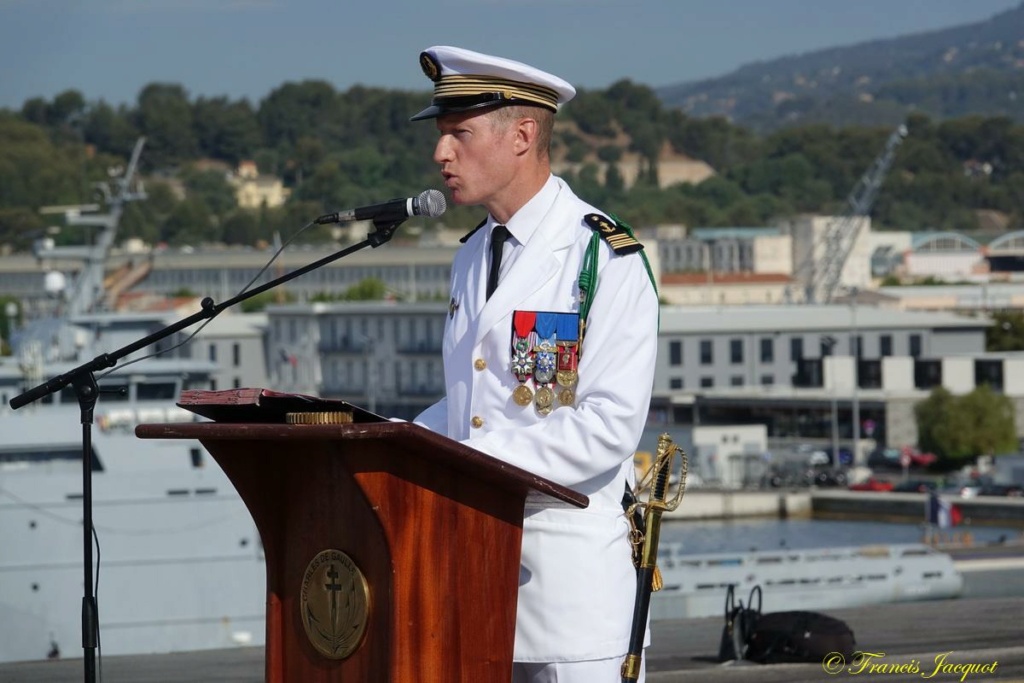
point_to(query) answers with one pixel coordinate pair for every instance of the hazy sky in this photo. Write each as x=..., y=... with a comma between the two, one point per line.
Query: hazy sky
x=110, y=49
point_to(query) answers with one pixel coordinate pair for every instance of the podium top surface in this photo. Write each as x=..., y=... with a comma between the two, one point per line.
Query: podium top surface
x=439, y=448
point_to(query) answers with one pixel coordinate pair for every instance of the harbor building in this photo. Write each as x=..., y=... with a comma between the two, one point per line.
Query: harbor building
x=797, y=369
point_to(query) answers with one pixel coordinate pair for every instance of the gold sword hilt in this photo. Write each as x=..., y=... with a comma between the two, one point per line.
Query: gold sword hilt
x=660, y=475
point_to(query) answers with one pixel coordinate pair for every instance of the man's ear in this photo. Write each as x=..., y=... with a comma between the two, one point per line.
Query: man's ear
x=525, y=135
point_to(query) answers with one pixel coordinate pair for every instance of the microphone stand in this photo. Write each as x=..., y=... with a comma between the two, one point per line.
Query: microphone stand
x=83, y=380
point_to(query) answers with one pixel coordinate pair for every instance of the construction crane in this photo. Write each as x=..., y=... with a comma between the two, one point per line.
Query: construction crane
x=87, y=293
x=827, y=257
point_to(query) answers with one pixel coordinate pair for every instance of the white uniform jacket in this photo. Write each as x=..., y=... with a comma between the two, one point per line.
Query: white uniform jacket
x=577, y=581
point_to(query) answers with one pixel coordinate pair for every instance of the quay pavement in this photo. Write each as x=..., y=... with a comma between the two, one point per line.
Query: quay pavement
x=953, y=635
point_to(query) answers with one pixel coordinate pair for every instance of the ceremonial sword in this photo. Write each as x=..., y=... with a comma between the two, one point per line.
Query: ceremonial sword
x=648, y=577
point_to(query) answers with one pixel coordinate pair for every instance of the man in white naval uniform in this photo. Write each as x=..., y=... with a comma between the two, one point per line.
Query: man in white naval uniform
x=577, y=580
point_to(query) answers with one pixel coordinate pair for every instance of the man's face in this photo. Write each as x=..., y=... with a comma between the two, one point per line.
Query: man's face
x=477, y=157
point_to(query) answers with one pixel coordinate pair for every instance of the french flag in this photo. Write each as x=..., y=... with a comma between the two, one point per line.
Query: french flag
x=942, y=513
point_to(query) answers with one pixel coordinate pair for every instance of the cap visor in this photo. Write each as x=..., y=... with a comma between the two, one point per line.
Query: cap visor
x=435, y=110
x=431, y=112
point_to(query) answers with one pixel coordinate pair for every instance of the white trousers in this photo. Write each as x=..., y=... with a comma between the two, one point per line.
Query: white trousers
x=591, y=671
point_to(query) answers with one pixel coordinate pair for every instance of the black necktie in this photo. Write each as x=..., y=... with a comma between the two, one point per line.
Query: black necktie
x=498, y=236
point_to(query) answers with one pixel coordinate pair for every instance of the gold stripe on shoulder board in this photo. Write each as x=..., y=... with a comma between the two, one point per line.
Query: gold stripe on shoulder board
x=614, y=233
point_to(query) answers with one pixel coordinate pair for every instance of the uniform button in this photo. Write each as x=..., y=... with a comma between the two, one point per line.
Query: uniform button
x=480, y=364
x=477, y=422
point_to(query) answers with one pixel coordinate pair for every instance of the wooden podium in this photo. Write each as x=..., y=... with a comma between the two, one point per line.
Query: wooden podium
x=392, y=552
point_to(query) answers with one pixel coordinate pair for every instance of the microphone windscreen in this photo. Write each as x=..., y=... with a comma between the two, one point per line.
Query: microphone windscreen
x=431, y=203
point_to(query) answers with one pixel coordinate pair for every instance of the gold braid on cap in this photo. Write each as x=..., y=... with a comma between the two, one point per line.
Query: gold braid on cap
x=468, y=86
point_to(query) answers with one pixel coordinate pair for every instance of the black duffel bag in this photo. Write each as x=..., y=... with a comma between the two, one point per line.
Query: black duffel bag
x=776, y=637
x=798, y=637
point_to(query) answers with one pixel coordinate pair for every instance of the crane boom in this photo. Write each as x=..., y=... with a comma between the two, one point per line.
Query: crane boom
x=842, y=231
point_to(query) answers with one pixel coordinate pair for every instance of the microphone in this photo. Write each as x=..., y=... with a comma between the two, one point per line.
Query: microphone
x=429, y=203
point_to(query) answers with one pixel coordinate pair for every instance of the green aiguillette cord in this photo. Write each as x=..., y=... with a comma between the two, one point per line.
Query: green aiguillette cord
x=587, y=282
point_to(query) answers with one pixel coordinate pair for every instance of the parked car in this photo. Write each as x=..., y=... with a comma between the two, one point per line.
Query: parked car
x=985, y=486
x=965, y=488
x=918, y=458
x=914, y=486
x=892, y=458
x=872, y=484
x=825, y=477
x=1011, y=490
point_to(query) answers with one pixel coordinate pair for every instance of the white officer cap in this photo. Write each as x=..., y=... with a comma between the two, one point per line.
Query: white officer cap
x=465, y=80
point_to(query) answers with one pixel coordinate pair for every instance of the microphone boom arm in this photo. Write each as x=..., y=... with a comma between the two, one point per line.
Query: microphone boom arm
x=382, y=233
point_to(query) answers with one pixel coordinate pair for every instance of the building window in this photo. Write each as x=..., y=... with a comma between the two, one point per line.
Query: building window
x=707, y=356
x=915, y=346
x=927, y=374
x=213, y=353
x=767, y=380
x=736, y=351
x=707, y=382
x=869, y=374
x=989, y=372
x=885, y=345
x=767, y=350
x=736, y=381
x=236, y=354
x=675, y=353
x=808, y=373
x=858, y=346
x=675, y=383
x=796, y=349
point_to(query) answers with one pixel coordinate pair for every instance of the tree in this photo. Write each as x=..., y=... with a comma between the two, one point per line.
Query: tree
x=213, y=188
x=67, y=109
x=164, y=116
x=370, y=289
x=941, y=427
x=991, y=419
x=297, y=110
x=111, y=131
x=260, y=301
x=1006, y=332
x=592, y=112
x=242, y=227
x=958, y=428
x=226, y=130
x=191, y=222
x=614, y=183
x=18, y=226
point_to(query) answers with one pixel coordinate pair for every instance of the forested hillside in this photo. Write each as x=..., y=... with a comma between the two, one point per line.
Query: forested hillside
x=344, y=149
x=943, y=74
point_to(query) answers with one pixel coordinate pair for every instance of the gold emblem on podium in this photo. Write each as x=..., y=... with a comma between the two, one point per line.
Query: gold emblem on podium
x=335, y=604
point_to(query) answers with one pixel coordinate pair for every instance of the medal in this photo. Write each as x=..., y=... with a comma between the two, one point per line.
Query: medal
x=566, y=397
x=545, y=400
x=522, y=356
x=545, y=362
x=522, y=395
x=567, y=329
